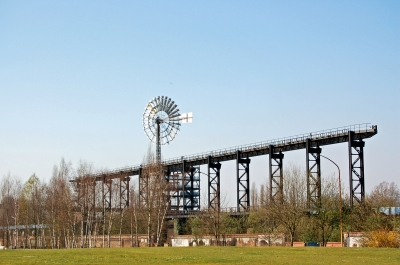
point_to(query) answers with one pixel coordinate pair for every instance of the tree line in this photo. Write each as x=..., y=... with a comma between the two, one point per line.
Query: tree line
x=52, y=214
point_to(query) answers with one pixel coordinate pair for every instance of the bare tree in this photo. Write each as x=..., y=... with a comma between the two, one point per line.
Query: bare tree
x=385, y=195
x=212, y=218
x=264, y=218
x=290, y=213
x=85, y=187
x=263, y=198
x=60, y=206
x=133, y=214
x=111, y=212
x=34, y=212
x=10, y=189
x=156, y=190
x=254, y=196
x=67, y=204
x=327, y=217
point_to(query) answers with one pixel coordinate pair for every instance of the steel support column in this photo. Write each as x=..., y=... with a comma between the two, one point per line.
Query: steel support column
x=92, y=195
x=178, y=178
x=275, y=175
x=124, y=192
x=182, y=192
x=143, y=188
x=214, y=170
x=243, y=182
x=313, y=163
x=158, y=142
x=356, y=169
x=192, y=189
x=86, y=189
x=174, y=178
x=107, y=190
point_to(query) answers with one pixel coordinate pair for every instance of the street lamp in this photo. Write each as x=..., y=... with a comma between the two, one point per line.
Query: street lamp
x=340, y=200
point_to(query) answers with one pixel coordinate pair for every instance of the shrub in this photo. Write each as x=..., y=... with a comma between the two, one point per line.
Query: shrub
x=382, y=239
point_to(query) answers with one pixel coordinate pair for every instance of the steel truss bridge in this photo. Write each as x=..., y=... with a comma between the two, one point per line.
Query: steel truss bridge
x=184, y=172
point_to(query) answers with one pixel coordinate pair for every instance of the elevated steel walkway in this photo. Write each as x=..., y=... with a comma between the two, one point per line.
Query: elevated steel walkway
x=319, y=138
x=186, y=169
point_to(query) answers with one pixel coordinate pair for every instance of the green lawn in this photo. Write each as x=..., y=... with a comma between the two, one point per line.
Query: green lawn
x=204, y=255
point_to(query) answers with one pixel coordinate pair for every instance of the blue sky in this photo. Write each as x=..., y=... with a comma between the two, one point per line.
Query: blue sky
x=75, y=77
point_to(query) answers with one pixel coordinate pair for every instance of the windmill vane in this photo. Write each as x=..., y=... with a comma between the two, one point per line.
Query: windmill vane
x=162, y=121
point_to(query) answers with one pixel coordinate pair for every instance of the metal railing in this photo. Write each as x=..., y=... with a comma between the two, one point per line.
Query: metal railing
x=362, y=127
x=276, y=142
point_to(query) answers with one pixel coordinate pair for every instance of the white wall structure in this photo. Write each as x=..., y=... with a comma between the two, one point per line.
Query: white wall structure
x=354, y=239
x=228, y=240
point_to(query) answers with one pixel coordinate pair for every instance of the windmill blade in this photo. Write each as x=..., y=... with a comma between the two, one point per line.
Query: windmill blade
x=170, y=129
x=174, y=112
x=171, y=104
x=153, y=103
x=165, y=104
x=157, y=103
x=173, y=108
x=162, y=103
x=176, y=118
x=168, y=105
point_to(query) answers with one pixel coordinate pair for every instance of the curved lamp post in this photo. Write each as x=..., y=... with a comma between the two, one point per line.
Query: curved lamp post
x=340, y=200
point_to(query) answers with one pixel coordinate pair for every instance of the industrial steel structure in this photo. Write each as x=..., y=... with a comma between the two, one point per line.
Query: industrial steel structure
x=184, y=172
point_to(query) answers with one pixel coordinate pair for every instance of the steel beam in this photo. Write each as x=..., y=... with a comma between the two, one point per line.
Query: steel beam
x=275, y=175
x=313, y=164
x=356, y=169
x=214, y=169
x=243, y=182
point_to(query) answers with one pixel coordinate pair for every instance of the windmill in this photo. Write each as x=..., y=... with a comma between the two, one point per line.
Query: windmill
x=161, y=121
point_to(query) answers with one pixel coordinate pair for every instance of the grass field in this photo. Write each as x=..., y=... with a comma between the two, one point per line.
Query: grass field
x=204, y=255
